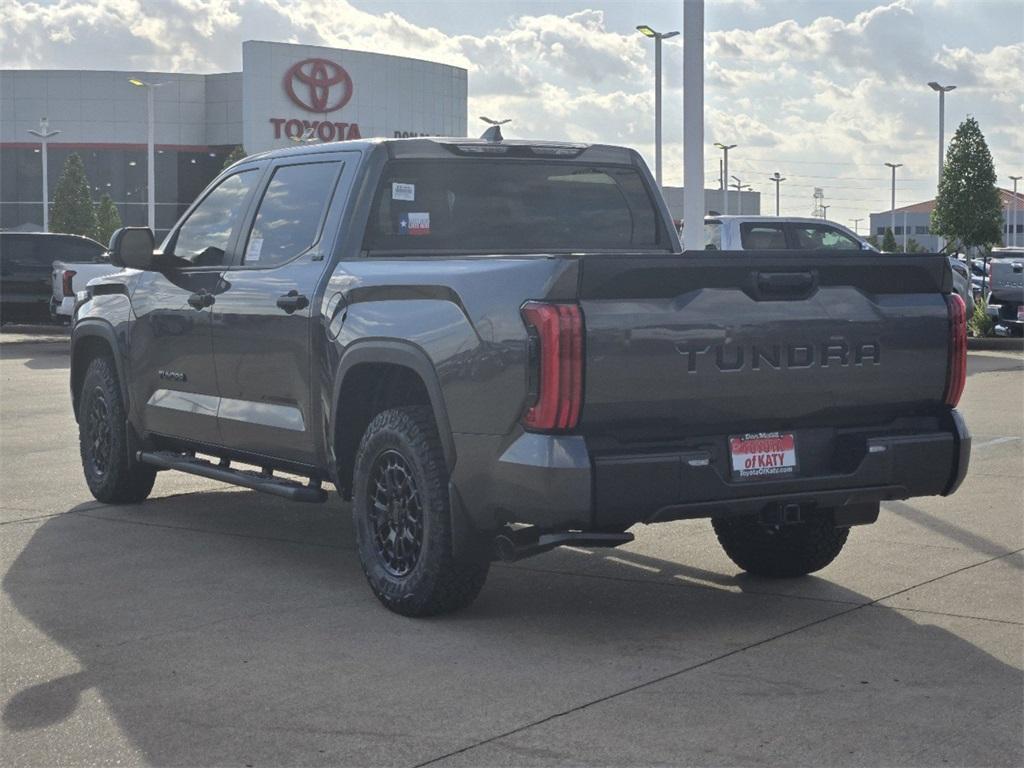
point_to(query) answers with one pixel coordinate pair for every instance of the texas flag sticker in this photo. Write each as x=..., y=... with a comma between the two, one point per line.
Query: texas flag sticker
x=414, y=224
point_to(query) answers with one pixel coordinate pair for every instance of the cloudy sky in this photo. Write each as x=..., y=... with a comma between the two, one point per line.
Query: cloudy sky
x=824, y=91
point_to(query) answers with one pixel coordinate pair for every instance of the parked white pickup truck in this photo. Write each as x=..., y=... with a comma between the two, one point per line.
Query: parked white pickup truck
x=775, y=233
x=89, y=260
x=784, y=233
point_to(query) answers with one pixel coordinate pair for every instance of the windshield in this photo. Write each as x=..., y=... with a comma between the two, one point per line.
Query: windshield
x=510, y=206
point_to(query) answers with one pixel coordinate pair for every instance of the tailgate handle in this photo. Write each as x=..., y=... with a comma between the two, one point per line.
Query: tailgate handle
x=773, y=284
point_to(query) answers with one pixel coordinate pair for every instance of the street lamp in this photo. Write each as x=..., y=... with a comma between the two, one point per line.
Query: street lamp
x=942, y=91
x=646, y=31
x=892, y=208
x=45, y=134
x=856, y=225
x=740, y=189
x=824, y=211
x=150, y=161
x=1016, y=205
x=778, y=180
x=725, y=173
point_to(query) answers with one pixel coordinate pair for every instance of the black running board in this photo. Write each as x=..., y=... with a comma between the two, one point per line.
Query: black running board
x=257, y=481
x=516, y=544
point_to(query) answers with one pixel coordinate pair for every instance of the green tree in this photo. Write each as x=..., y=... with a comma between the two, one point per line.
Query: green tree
x=914, y=247
x=873, y=241
x=889, y=244
x=967, y=210
x=237, y=154
x=107, y=219
x=73, y=212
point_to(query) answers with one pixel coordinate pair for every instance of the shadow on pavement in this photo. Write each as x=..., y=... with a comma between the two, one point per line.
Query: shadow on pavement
x=229, y=628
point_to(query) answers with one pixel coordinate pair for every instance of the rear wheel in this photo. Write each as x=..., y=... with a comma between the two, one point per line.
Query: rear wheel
x=400, y=509
x=113, y=476
x=780, y=551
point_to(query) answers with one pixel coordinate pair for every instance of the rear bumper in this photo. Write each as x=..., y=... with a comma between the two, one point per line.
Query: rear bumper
x=555, y=483
x=64, y=307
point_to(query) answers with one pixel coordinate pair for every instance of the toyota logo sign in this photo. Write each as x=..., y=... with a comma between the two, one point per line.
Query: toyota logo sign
x=318, y=85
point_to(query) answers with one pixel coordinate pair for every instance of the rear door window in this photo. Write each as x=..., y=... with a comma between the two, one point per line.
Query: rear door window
x=16, y=253
x=203, y=237
x=758, y=236
x=290, y=214
x=712, y=235
x=821, y=237
x=510, y=206
x=80, y=252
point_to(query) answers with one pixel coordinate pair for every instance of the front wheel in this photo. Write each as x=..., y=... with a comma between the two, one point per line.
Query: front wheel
x=113, y=476
x=400, y=509
x=780, y=551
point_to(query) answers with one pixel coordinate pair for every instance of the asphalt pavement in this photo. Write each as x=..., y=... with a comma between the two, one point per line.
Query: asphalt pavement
x=216, y=626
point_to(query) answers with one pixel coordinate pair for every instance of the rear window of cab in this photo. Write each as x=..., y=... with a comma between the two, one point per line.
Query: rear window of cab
x=512, y=206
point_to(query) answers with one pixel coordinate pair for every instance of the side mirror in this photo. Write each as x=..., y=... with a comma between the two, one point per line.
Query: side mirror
x=132, y=247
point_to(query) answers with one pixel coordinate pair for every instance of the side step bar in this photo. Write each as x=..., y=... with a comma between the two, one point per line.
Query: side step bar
x=516, y=544
x=257, y=481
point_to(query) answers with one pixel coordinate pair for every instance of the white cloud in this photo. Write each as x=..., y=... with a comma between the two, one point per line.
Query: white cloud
x=840, y=90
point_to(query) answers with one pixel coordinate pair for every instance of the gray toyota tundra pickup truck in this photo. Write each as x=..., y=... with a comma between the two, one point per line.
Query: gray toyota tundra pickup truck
x=493, y=348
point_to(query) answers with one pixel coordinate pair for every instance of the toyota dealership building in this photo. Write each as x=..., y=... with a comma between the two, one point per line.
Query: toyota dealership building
x=284, y=93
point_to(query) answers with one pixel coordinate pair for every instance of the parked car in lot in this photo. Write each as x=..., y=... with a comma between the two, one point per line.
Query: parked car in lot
x=770, y=233
x=72, y=273
x=745, y=233
x=962, y=283
x=494, y=348
x=26, y=260
x=1006, y=292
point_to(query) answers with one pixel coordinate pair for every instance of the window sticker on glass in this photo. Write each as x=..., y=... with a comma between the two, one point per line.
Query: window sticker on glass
x=253, y=252
x=401, y=191
x=414, y=224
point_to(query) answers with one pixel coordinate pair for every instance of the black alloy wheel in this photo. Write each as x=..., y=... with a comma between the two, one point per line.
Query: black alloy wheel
x=396, y=513
x=99, y=433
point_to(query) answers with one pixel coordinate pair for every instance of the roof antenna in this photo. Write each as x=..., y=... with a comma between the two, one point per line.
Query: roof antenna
x=494, y=132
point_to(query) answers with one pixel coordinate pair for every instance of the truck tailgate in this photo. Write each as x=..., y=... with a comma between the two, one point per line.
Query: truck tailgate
x=747, y=342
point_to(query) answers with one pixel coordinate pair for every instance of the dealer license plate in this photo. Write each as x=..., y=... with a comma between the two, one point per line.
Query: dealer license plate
x=763, y=455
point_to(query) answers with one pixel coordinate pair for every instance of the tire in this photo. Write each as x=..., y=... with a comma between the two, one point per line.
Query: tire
x=402, y=518
x=783, y=551
x=112, y=475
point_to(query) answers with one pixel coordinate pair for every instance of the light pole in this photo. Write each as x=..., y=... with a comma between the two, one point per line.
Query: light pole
x=693, y=124
x=740, y=188
x=150, y=160
x=824, y=211
x=646, y=31
x=45, y=134
x=892, y=208
x=1016, y=205
x=778, y=180
x=856, y=223
x=942, y=91
x=725, y=173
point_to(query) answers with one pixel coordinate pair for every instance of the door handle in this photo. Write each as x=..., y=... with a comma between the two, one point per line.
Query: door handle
x=201, y=300
x=784, y=284
x=292, y=302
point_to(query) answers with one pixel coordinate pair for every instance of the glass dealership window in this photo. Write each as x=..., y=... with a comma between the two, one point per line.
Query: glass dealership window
x=121, y=173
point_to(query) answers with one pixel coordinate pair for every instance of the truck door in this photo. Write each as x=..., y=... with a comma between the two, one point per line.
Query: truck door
x=171, y=351
x=264, y=320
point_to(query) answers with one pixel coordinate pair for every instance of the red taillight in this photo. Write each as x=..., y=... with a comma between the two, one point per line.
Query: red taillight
x=557, y=358
x=65, y=281
x=956, y=374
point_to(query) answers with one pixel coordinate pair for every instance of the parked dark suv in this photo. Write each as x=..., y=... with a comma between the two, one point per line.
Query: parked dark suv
x=494, y=348
x=26, y=260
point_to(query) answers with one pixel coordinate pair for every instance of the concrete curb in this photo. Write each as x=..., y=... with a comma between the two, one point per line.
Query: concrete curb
x=996, y=344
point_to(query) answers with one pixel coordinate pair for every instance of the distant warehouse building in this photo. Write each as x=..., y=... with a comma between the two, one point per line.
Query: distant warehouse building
x=284, y=93
x=915, y=221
